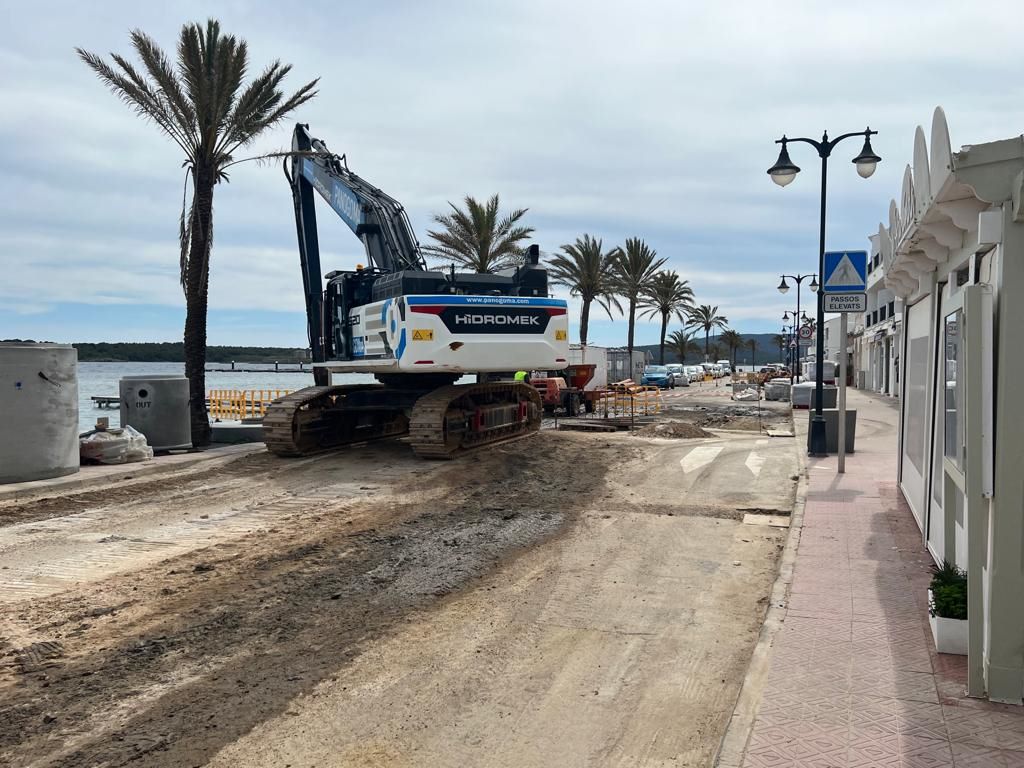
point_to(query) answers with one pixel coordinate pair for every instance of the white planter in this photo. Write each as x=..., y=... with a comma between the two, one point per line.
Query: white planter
x=950, y=634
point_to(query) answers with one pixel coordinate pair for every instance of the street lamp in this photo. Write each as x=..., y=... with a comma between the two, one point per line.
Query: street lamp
x=789, y=334
x=783, y=173
x=784, y=288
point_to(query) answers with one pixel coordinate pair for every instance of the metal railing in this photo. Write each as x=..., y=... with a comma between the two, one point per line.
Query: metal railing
x=237, y=404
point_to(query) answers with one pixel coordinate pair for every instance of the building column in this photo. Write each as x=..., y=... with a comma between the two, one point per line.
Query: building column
x=1005, y=664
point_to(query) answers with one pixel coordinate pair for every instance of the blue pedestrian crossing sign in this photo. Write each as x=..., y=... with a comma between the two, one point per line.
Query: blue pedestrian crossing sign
x=845, y=271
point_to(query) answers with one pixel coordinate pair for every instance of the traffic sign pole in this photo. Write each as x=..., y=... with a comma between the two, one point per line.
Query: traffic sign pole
x=844, y=280
x=842, y=394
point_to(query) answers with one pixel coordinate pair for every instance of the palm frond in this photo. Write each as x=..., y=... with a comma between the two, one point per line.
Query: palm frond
x=474, y=237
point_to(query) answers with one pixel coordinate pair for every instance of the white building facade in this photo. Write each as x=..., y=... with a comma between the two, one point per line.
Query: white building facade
x=953, y=252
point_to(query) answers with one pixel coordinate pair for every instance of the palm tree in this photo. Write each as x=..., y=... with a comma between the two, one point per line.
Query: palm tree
x=633, y=268
x=201, y=103
x=752, y=346
x=778, y=340
x=665, y=296
x=477, y=239
x=682, y=343
x=732, y=341
x=584, y=268
x=707, y=317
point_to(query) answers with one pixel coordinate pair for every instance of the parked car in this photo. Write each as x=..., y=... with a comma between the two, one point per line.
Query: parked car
x=658, y=376
x=695, y=373
x=679, y=374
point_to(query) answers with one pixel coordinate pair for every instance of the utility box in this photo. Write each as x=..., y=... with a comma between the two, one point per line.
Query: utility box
x=157, y=406
x=832, y=429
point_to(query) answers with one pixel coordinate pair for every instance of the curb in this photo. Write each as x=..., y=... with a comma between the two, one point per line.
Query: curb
x=733, y=745
x=79, y=481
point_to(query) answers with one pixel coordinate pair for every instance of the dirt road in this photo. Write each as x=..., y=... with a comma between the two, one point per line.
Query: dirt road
x=562, y=600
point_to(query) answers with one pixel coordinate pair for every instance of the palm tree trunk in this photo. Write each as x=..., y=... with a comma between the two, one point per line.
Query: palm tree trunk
x=664, y=327
x=584, y=321
x=197, y=281
x=629, y=338
x=707, y=333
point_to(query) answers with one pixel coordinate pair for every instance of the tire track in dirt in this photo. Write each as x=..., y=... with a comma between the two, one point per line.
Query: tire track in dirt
x=167, y=665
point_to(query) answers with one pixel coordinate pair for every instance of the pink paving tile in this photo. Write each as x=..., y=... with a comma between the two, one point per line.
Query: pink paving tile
x=1009, y=728
x=855, y=651
x=970, y=726
x=917, y=752
x=972, y=756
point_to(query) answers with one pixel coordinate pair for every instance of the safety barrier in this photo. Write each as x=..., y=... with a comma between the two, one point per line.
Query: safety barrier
x=237, y=404
x=628, y=399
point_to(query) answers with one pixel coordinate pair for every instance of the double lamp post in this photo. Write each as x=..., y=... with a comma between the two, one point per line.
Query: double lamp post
x=782, y=173
x=784, y=288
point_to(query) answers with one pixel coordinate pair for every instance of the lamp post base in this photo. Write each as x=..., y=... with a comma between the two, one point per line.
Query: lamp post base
x=817, y=444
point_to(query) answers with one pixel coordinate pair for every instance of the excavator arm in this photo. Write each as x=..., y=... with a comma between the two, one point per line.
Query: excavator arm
x=376, y=218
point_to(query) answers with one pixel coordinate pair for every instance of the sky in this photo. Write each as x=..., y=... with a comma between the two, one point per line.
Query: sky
x=646, y=119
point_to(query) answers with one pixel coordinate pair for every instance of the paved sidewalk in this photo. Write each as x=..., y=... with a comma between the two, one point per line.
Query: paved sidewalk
x=853, y=677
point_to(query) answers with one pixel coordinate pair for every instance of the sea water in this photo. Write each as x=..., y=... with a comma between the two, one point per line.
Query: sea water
x=103, y=379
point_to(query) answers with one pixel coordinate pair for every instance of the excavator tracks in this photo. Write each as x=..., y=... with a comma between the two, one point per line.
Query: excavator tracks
x=458, y=418
x=444, y=423
x=318, y=419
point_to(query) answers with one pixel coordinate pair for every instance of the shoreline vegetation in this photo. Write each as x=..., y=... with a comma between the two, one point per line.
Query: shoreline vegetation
x=174, y=352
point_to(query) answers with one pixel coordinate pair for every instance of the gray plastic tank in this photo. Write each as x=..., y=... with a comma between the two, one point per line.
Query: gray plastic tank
x=157, y=406
x=38, y=411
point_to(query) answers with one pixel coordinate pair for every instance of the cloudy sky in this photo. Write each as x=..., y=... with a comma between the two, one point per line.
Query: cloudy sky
x=648, y=119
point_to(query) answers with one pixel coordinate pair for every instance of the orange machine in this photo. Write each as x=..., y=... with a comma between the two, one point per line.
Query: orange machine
x=566, y=391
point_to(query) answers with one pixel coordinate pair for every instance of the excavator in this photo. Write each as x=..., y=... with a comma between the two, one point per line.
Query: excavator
x=416, y=330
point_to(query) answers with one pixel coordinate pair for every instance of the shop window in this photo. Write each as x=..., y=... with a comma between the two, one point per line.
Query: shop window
x=953, y=378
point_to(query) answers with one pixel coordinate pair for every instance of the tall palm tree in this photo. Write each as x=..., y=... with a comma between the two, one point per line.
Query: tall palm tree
x=778, y=340
x=752, y=346
x=200, y=101
x=585, y=269
x=477, y=239
x=665, y=296
x=707, y=317
x=732, y=341
x=633, y=269
x=682, y=343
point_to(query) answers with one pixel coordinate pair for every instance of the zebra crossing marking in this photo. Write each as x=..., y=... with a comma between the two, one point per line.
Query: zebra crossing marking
x=699, y=457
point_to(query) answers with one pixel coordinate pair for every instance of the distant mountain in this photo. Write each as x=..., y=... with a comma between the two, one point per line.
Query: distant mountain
x=766, y=352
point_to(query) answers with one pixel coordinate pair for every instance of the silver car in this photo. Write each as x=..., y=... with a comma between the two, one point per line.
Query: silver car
x=682, y=379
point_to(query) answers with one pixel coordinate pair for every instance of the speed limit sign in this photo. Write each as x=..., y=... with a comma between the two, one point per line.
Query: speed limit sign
x=806, y=332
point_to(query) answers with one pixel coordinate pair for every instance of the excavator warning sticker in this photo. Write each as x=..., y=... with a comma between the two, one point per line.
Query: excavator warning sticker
x=560, y=335
x=422, y=334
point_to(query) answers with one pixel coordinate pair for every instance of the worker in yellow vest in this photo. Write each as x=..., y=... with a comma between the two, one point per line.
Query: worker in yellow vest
x=522, y=376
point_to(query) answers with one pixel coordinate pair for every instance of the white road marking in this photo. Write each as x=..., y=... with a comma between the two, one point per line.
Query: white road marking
x=699, y=457
x=755, y=461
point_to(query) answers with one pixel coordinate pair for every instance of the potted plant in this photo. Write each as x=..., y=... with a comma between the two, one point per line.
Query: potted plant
x=947, y=609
